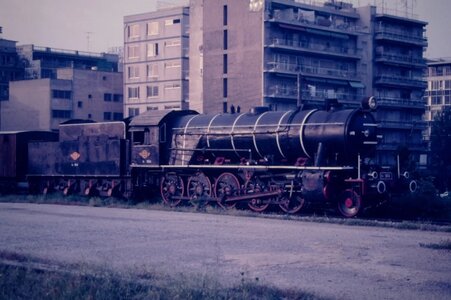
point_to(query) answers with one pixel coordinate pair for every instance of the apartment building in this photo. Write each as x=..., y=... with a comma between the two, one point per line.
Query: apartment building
x=42, y=104
x=43, y=62
x=156, y=60
x=10, y=67
x=438, y=93
x=285, y=53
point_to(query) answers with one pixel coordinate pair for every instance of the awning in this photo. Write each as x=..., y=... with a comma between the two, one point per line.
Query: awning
x=356, y=84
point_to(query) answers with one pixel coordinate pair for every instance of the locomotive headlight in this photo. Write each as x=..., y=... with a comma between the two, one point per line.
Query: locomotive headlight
x=372, y=103
x=369, y=103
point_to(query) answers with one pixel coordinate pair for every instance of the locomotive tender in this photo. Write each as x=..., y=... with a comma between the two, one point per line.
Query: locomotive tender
x=259, y=158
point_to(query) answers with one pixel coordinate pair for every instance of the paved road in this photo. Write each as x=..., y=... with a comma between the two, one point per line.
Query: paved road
x=337, y=261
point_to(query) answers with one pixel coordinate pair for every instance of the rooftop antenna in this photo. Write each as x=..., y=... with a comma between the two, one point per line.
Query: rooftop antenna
x=88, y=40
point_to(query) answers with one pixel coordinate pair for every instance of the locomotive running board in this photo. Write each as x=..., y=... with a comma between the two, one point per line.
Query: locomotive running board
x=251, y=167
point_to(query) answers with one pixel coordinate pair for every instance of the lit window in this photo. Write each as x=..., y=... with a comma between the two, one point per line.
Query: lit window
x=152, y=28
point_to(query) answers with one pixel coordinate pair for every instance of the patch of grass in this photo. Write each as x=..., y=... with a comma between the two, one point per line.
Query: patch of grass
x=31, y=279
x=442, y=245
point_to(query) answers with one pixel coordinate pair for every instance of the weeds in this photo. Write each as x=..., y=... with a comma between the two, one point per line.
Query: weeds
x=39, y=280
x=442, y=245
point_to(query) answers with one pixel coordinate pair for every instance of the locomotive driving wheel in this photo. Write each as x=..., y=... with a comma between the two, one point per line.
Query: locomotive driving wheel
x=291, y=205
x=349, y=203
x=256, y=186
x=226, y=185
x=198, y=188
x=172, y=188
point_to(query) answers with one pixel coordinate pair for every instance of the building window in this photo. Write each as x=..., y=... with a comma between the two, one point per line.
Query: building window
x=224, y=106
x=172, y=64
x=107, y=97
x=173, y=43
x=152, y=108
x=224, y=15
x=152, y=28
x=133, y=92
x=224, y=64
x=107, y=116
x=60, y=94
x=172, y=86
x=133, y=51
x=225, y=40
x=118, y=97
x=152, y=71
x=133, y=72
x=80, y=104
x=152, y=49
x=171, y=22
x=133, y=111
x=61, y=114
x=118, y=116
x=224, y=88
x=133, y=31
x=152, y=91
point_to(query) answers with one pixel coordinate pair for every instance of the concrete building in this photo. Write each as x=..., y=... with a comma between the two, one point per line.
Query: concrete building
x=285, y=53
x=438, y=93
x=42, y=62
x=10, y=67
x=42, y=104
x=156, y=60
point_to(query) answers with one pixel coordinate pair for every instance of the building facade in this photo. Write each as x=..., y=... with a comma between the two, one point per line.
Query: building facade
x=42, y=104
x=43, y=62
x=10, y=67
x=156, y=60
x=438, y=93
x=285, y=53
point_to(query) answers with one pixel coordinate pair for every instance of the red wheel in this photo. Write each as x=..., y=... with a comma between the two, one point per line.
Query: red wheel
x=256, y=186
x=226, y=186
x=198, y=186
x=291, y=205
x=172, y=188
x=349, y=203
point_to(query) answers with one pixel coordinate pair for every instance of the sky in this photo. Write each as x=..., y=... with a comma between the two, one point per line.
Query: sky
x=97, y=25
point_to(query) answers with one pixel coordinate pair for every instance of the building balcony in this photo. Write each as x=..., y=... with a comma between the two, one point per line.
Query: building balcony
x=396, y=81
x=399, y=102
x=317, y=26
x=319, y=49
x=284, y=92
x=400, y=37
x=418, y=125
x=309, y=71
x=404, y=60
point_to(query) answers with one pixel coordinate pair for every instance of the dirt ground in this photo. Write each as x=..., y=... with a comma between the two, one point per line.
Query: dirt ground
x=333, y=261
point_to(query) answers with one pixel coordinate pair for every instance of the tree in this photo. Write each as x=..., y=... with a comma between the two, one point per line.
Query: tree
x=441, y=148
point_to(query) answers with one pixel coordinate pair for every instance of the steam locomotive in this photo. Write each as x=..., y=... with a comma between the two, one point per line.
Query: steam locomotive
x=258, y=158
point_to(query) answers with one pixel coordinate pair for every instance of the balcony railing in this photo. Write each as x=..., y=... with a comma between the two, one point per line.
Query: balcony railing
x=399, y=102
x=314, y=47
x=278, y=91
x=400, y=80
x=405, y=59
x=383, y=33
x=317, y=23
x=295, y=69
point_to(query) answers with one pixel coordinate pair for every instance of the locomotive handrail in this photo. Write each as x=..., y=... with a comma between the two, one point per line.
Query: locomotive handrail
x=260, y=167
x=263, y=125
